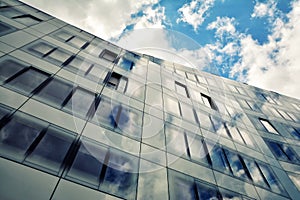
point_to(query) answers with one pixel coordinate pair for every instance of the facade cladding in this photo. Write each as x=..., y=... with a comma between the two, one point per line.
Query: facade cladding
x=81, y=118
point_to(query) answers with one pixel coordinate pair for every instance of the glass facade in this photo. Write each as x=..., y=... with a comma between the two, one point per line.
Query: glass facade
x=83, y=118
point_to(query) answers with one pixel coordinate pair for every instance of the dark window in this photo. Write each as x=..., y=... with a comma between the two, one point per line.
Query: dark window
x=52, y=149
x=17, y=135
x=181, y=89
x=268, y=126
x=27, y=19
x=4, y=111
x=10, y=12
x=8, y=68
x=256, y=173
x=108, y=55
x=27, y=81
x=116, y=81
x=207, y=192
x=282, y=151
x=208, y=102
x=5, y=29
x=41, y=48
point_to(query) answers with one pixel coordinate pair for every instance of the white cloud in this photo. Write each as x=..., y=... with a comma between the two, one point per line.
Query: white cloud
x=223, y=25
x=105, y=18
x=194, y=13
x=264, y=9
x=275, y=64
x=152, y=18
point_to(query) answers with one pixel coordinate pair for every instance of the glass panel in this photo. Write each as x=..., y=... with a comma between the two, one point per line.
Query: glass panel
x=196, y=148
x=5, y=29
x=205, y=121
x=28, y=81
x=87, y=165
x=52, y=149
x=255, y=173
x=55, y=92
x=104, y=115
x=58, y=56
x=63, y=35
x=41, y=48
x=277, y=150
x=181, y=186
x=97, y=73
x=295, y=132
x=271, y=179
x=175, y=140
x=187, y=112
x=17, y=136
x=80, y=102
x=247, y=138
x=108, y=55
x=219, y=126
x=3, y=111
x=290, y=153
x=124, y=63
x=135, y=89
x=296, y=179
x=206, y=101
x=8, y=68
x=171, y=105
x=10, y=12
x=268, y=126
x=27, y=20
x=78, y=42
x=78, y=64
x=181, y=89
x=236, y=165
x=218, y=158
x=121, y=175
x=206, y=192
x=235, y=134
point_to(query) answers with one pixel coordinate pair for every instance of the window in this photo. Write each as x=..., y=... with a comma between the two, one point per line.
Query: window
x=237, y=165
x=5, y=29
x=181, y=89
x=121, y=118
x=295, y=132
x=176, y=141
x=10, y=12
x=205, y=121
x=208, y=102
x=113, y=170
x=187, y=112
x=49, y=52
x=171, y=105
x=282, y=151
x=71, y=39
x=55, y=92
x=27, y=19
x=268, y=126
x=108, y=55
x=256, y=173
x=80, y=102
x=126, y=64
x=27, y=80
x=296, y=179
x=218, y=158
x=4, y=111
x=116, y=81
x=51, y=150
x=9, y=67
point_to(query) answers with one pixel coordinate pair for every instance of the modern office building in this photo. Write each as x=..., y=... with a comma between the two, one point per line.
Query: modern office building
x=81, y=118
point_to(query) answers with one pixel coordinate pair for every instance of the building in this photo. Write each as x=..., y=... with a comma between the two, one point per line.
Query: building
x=81, y=118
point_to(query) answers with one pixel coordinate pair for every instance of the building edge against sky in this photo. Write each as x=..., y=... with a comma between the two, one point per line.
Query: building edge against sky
x=83, y=118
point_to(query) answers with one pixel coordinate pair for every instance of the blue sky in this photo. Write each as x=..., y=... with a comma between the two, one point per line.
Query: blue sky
x=257, y=42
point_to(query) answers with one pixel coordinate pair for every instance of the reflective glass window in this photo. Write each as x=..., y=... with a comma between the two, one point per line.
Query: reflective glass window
x=80, y=102
x=3, y=111
x=52, y=149
x=205, y=121
x=5, y=29
x=27, y=19
x=218, y=158
x=8, y=68
x=87, y=164
x=207, y=192
x=294, y=132
x=196, y=148
x=55, y=92
x=108, y=55
x=283, y=151
x=28, y=81
x=171, y=105
x=120, y=176
x=255, y=172
x=268, y=126
x=236, y=165
x=187, y=112
x=271, y=179
x=41, y=48
x=208, y=102
x=10, y=12
x=77, y=41
x=18, y=135
x=181, y=89
x=175, y=140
